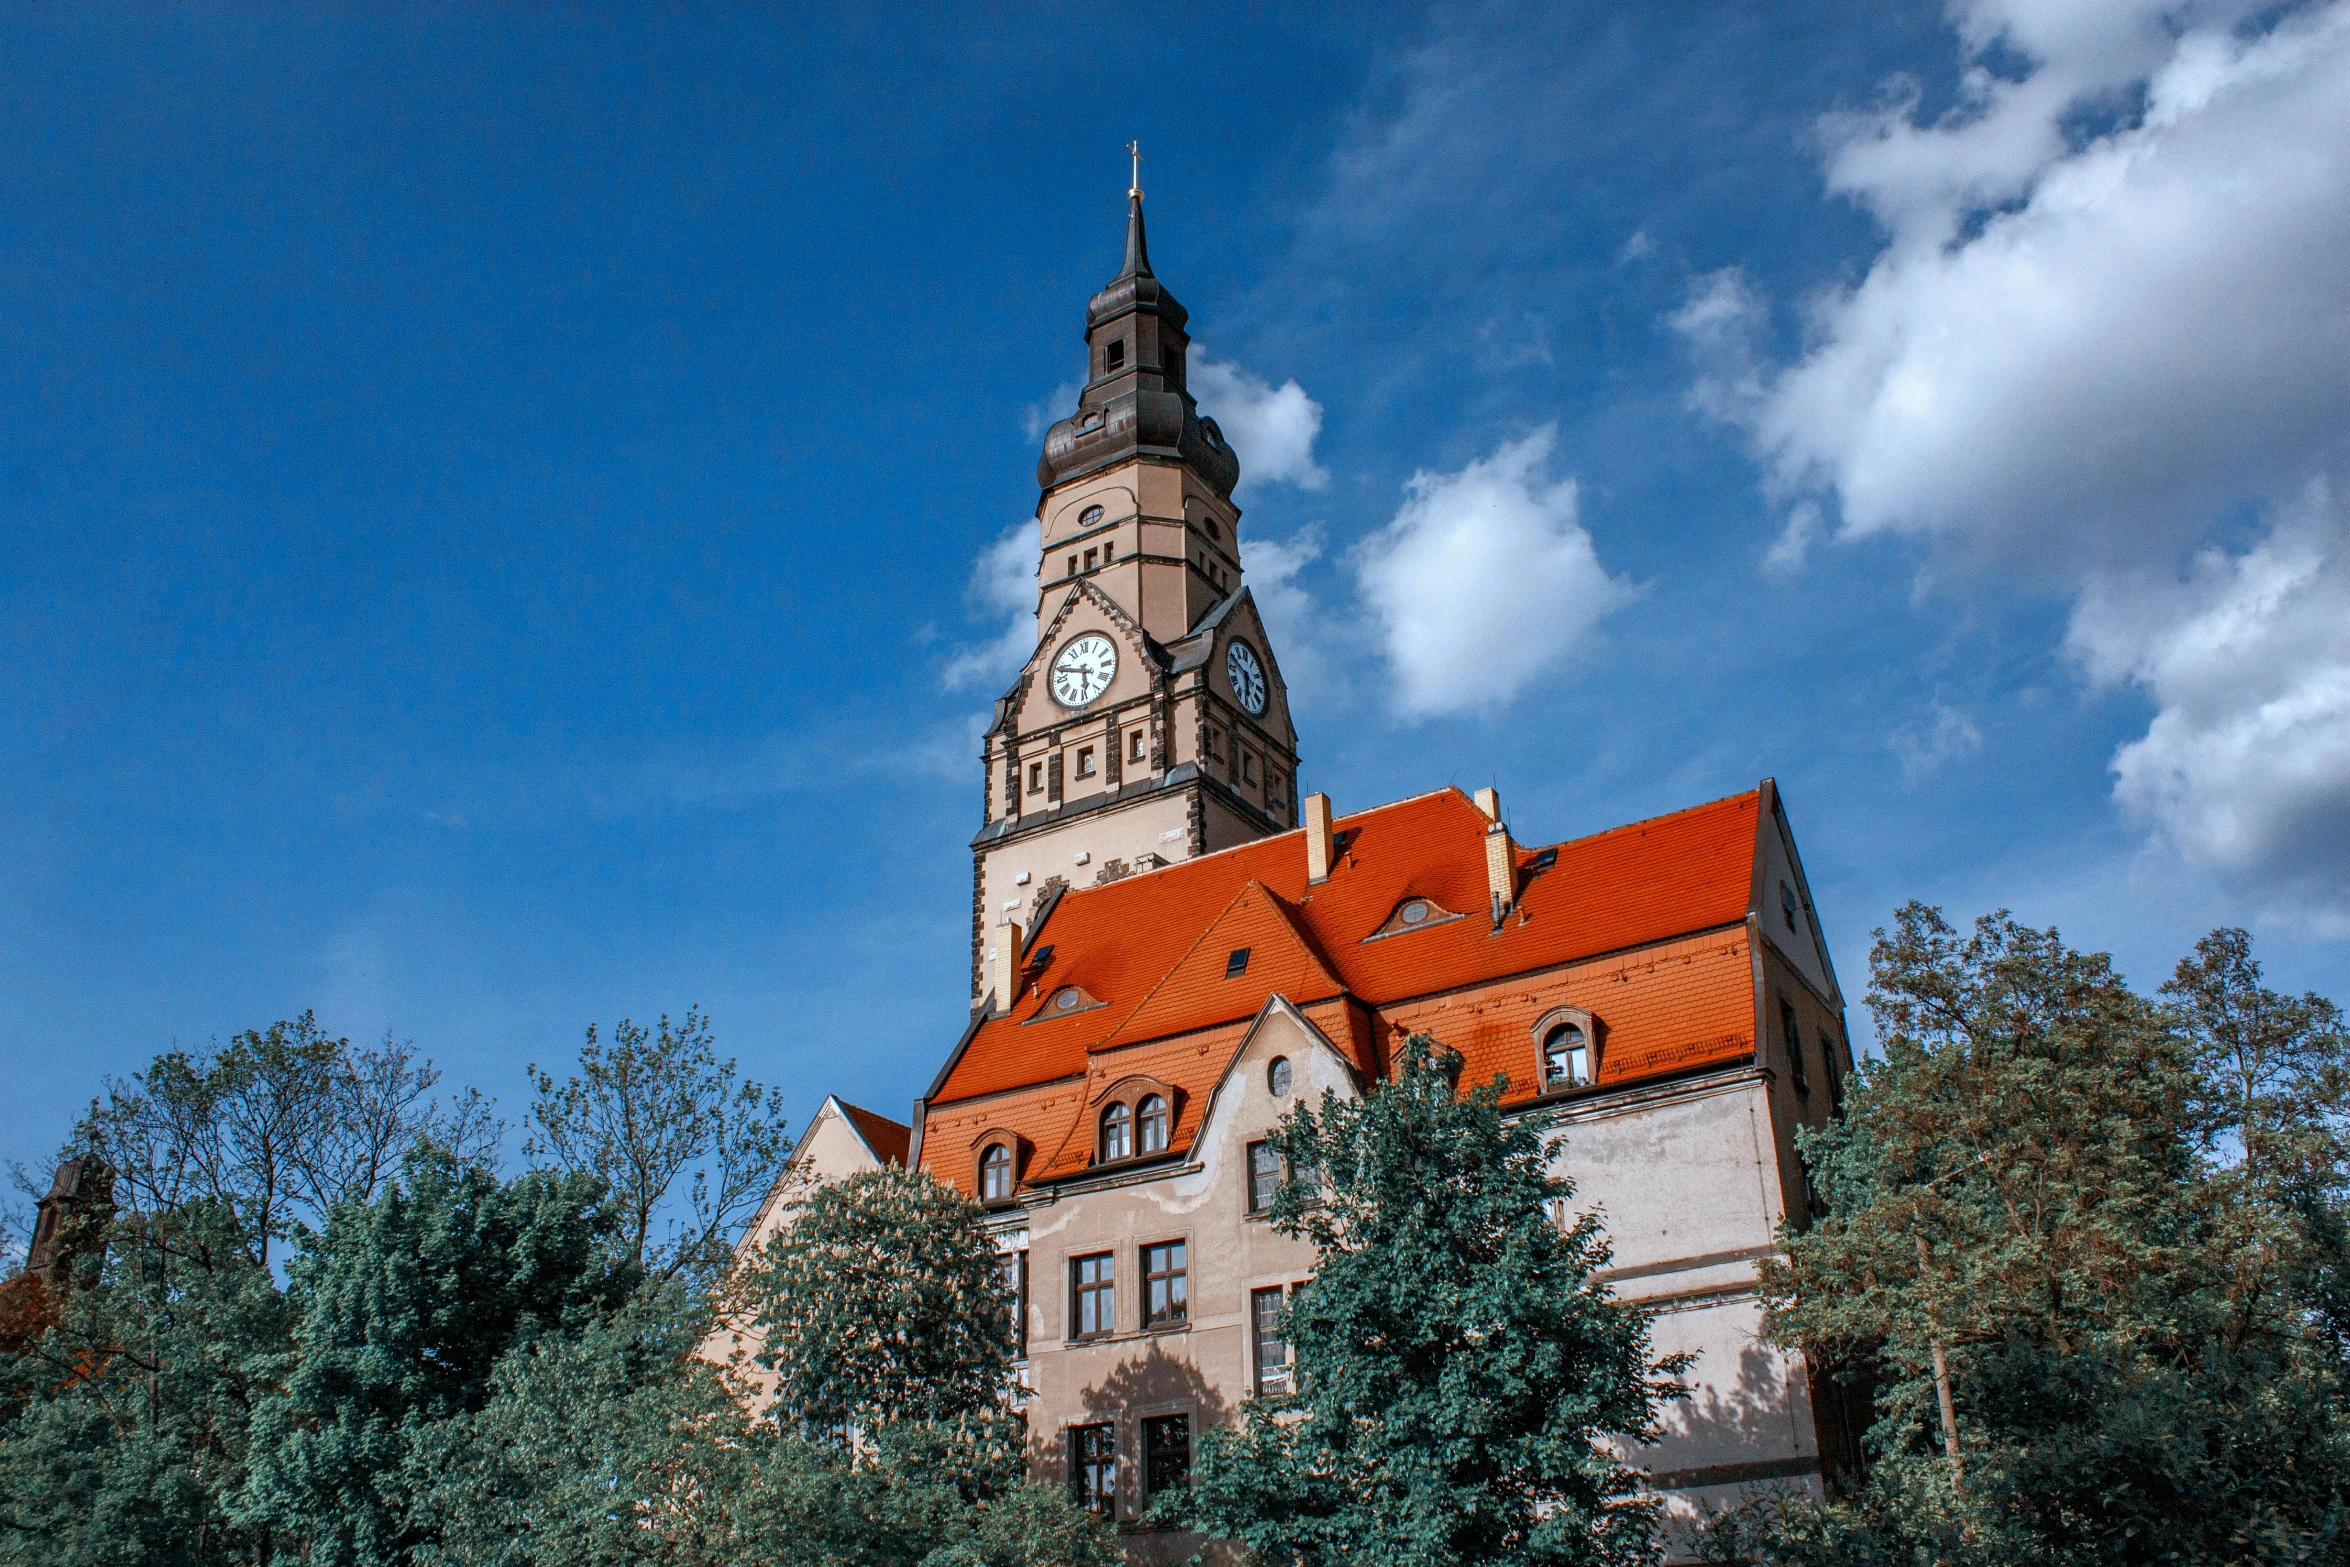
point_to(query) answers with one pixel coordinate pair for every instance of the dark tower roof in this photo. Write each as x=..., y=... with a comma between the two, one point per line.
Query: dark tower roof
x=1135, y=400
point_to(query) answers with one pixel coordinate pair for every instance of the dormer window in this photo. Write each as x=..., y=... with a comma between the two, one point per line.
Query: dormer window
x=1117, y=1133
x=995, y=1174
x=1114, y=354
x=1566, y=1058
x=1150, y=1125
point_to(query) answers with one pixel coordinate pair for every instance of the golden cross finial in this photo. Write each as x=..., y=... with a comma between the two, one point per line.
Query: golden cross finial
x=1135, y=191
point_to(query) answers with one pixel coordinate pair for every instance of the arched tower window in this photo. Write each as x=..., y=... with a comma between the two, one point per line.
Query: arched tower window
x=1150, y=1125
x=1117, y=1132
x=995, y=1174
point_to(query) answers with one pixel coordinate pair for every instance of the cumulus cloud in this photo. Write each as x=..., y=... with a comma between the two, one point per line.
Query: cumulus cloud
x=2246, y=765
x=1484, y=580
x=2072, y=350
x=1002, y=588
x=2109, y=318
x=1271, y=428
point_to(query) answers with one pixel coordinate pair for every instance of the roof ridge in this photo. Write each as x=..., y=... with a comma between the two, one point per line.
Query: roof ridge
x=1298, y=933
x=1171, y=970
x=1648, y=821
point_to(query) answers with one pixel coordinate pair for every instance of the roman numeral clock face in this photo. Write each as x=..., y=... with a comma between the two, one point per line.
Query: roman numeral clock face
x=1082, y=670
x=1247, y=676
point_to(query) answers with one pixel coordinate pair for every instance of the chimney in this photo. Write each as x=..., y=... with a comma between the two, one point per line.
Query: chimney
x=1488, y=801
x=1003, y=966
x=1501, y=868
x=1318, y=840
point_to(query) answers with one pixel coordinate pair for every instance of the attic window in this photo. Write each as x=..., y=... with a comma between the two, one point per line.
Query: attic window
x=1566, y=1058
x=1787, y=904
x=1150, y=1124
x=1068, y=999
x=1545, y=860
x=1277, y=1078
x=995, y=1174
x=1237, y=964
x=1114, y=356
x=1088, y=517
x=1413, y=912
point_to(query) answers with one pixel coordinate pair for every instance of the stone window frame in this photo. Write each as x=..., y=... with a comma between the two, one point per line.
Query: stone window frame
x=1540, y=1033
x=1177, y=1316
x=1015, y=1147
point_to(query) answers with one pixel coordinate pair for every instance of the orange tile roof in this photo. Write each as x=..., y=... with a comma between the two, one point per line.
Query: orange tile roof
x=888, y=1139
x=1153, y=948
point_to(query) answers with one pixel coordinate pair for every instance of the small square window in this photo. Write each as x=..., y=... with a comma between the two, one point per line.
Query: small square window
x=1134, y=746
x=1237, y=964
x=1114, y=356
x=1085, y=761
x=1248, y=768
x=1090, y=556
x=1036, y=777
x=1072, y=566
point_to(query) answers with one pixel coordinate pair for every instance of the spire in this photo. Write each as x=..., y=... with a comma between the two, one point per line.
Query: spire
x=1138, y=253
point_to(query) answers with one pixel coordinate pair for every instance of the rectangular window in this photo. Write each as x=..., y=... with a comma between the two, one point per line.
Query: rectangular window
x=1166, y=1454
x=1072, y=565
x=1264, y=1176
x=1085, y=761
x=1272, y=1350
x=1835, y=1075
x=1015, y=1266
x=1036, y=777
x=1166, y=1285
x=1093, y=1469
x=1114, y=356
x=1248, y=768
x=1134, y=746
x=1094, y=1285
x=1090, y=556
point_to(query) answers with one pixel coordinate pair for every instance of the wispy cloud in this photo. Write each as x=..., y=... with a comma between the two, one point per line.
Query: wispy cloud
x=1002, y=589
x=1943, y=736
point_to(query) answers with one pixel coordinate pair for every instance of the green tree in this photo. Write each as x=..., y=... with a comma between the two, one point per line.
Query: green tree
x=402, y=1309
x=1460, y=1371
x=654, y=1108
x=125, y=1426
x=2089, y=1342
x=890, y=1438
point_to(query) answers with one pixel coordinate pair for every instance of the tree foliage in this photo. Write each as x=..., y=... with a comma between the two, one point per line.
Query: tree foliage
x=2115, y=1221
x=654, y=1108
x=1460, y=1371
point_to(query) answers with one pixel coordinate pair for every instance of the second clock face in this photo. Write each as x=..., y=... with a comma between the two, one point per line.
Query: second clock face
x=1247, y=676
x=1082, y=670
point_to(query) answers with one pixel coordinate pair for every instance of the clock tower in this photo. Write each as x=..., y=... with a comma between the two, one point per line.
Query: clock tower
x=1150, y=724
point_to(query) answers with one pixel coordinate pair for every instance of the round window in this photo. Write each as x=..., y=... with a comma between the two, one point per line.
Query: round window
x=1277, y=1077
x=1088, y=517
x=1066, y=997
x=1414, y=912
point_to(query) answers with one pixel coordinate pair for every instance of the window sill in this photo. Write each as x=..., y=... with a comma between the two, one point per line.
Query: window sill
x=1091, y=1339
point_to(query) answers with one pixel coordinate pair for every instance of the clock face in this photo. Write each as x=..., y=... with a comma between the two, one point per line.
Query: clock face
x=1246, y=674
x=1082, y=670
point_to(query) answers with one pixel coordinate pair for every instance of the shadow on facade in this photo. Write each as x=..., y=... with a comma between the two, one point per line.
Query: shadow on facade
x=1158, y=1383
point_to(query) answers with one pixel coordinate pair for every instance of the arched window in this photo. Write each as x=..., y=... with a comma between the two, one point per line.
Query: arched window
x=1566, y=1058
x=995, y=1174
x=1277, y=1078
x=1150, y=1125
x=1117, y=1132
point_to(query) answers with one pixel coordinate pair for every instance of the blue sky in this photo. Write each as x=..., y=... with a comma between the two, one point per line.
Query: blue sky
x=502, y=513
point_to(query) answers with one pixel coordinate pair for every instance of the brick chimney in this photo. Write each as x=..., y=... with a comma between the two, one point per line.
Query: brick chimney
x=1318, y=840
x=1003, y=966
x=1489, y=801
x=1501, y=869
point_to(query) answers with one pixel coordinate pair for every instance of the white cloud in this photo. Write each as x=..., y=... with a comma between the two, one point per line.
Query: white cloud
x=2110, y=317
x=1003, y=584
x=1272, y=428
x=1484, y=580
x=1037, y=418
x=2246, y=765
x=1945, y=735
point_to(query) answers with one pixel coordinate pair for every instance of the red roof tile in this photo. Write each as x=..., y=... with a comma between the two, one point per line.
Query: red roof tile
x=888, y=1139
